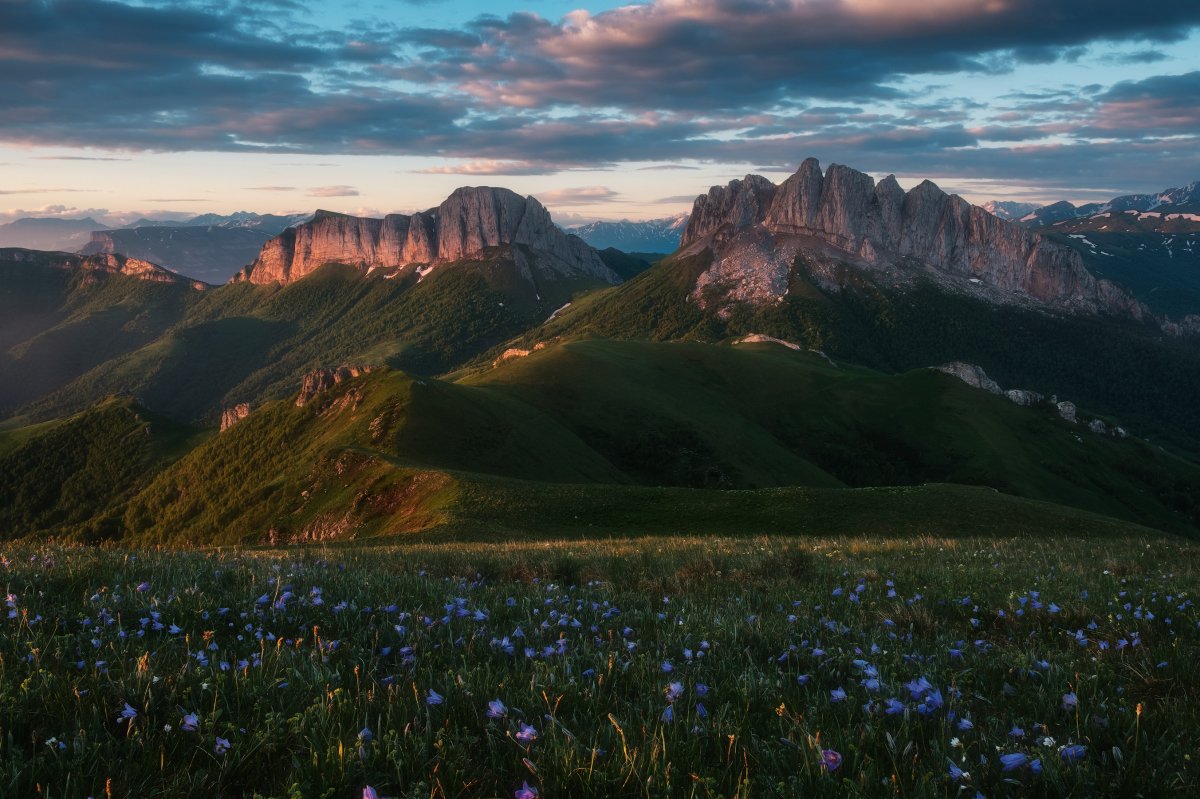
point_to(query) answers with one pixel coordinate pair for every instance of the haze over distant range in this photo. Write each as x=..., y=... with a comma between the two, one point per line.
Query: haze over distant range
x=166, y=110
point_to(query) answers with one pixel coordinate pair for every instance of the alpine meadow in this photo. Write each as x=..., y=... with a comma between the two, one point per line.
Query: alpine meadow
x=680, y=398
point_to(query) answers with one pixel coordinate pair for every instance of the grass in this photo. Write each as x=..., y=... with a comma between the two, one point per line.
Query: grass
x=686, y=666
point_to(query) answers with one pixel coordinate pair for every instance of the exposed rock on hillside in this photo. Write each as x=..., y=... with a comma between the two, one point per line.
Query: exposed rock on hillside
x=975, y=377
x=231, y=416
x=470, y=224
x=96, y=266
x=319, y=380
x=756, y=230
x=972, y=375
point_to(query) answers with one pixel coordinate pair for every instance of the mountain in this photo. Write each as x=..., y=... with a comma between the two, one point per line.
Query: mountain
x=1182, y=200
x=212, y=254
x=647, y=236
x=1155, y=254
x=1007, y=210
x=760, y=259
x=271, y=224
x=189, y=354
x=755, y=231
x=65, y=235
x=472, y=223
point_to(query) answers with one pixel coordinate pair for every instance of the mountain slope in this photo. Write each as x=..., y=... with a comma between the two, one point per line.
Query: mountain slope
x=63, y=315
x=247, y=343
x=387, y=452
x=1156, y=255
x=72, y=478
x=1126, y=370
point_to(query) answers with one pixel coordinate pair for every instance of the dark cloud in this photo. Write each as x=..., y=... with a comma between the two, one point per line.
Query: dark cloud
x=708, y=81
x=722, y=55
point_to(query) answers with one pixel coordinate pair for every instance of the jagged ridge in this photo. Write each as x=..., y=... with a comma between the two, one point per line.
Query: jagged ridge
x=756, y=228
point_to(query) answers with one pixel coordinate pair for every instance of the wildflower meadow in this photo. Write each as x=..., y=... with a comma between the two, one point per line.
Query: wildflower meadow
x=678, y=667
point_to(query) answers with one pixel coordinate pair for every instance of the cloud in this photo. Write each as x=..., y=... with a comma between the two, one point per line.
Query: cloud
x=77, y=158
x=270, y=188
x=492, y=167
x=333, y=191
x=711, y=81
x=679, y=198
x=42, y=191
x=665, y=168
x=583, y=195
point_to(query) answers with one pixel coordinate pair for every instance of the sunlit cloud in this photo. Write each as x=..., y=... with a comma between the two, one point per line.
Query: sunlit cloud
x=333, y=191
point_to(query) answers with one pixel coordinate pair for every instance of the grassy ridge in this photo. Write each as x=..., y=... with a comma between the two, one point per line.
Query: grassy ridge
x=241, y=343
x=585, y=431
x=72, y=478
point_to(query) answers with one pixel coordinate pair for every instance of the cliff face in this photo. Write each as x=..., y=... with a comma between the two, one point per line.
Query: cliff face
x=467, y=225
x=756, y=229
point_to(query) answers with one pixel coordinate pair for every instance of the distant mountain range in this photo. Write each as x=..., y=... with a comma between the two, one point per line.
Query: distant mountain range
x=646, y=236
x=209, y=247
x=1181, y=200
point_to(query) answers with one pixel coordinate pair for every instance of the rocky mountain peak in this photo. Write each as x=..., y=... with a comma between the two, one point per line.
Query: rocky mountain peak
x=469, y=224
x=756, y=230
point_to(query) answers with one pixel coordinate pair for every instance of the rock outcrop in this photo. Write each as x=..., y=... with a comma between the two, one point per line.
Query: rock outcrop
x=472, y=223
x=94, y=267
x=320, y=380
x=755, y=230
x=972, y=375
x=231, y=416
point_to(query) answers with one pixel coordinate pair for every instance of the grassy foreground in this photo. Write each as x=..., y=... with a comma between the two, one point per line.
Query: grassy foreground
x=846, y=666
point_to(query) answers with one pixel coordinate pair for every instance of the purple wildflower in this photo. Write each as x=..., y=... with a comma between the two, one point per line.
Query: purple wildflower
x=830, y=760
x=527, y=734
x=1014, y=760
x=1073, y=753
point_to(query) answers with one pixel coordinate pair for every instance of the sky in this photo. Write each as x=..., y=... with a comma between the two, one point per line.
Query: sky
x=167, y=109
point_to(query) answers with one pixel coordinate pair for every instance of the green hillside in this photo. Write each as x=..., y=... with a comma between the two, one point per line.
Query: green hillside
x=72, y=478
x=56, y=325
x=619, y=434
x=1117, y=368
x=249, y=343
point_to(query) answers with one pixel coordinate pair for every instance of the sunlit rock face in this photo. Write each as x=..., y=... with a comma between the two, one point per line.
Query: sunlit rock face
x=842, y=218
x=473, y=222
